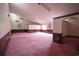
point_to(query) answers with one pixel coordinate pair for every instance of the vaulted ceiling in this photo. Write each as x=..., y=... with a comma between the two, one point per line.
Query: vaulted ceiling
x=43, y=12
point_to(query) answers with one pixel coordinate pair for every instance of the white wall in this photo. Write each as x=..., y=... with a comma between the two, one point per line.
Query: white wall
x=17, y=22
x=57, y=25
x=23, y=23
x=4, y=19
x=50, y=26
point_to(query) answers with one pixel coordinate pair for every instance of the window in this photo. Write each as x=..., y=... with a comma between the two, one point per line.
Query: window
x=37, y=27
x=44, y=27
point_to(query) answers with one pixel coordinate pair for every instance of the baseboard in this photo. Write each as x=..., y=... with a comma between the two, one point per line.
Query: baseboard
x=3, y=43
x=34, y=30
x=18, y=30
x=47, y=31
x=71, y=36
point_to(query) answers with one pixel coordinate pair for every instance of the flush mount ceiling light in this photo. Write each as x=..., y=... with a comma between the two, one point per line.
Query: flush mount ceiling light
x=43, y=5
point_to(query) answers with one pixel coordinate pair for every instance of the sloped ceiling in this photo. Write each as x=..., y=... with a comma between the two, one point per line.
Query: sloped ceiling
x=44, y=12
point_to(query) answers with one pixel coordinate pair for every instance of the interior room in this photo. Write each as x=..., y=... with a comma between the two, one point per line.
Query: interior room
x=39, y=29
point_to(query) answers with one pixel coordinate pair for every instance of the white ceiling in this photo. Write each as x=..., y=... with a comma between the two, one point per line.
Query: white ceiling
x=43, y=12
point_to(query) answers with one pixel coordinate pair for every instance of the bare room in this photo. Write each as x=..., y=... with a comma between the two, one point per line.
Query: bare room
x=39, y=29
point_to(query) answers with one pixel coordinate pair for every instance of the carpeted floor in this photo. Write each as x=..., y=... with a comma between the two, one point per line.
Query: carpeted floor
x=37, y=44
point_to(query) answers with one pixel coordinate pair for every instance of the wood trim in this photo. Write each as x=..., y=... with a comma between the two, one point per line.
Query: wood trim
x=24, y=30
x=34, y=30
x=71, y=36
x=47, y=31
x=77, y=13
x=57, y=37
x=19, y=30
x=3, y=43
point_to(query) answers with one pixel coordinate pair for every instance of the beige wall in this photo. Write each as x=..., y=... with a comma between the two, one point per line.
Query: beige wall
x=67, y=26
x=4, y=19
x=73, y=26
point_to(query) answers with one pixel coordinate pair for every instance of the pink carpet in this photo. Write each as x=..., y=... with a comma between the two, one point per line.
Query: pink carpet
x=37, y=44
